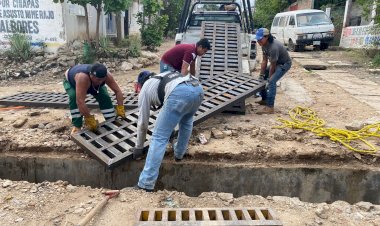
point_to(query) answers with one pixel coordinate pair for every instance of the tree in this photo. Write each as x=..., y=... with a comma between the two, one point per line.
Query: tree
x=84, y=4
x=152, y=24
x=98, y=6
x=367, y=6
x=172, y=8
x=266, y=10
x=117, y=6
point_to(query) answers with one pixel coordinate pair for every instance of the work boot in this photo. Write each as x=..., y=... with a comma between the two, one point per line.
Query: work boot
x=265, y=110
x=137, y=187
x=261, y=102
x=74, y=131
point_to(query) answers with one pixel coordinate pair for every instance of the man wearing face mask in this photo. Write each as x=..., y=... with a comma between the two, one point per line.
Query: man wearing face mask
x=84, y=79
x=280, y=63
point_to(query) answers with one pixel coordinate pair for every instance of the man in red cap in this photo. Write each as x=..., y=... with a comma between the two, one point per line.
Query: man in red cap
x=91, y=79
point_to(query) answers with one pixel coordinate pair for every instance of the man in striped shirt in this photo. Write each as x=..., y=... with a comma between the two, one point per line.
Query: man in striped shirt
x=183, y=96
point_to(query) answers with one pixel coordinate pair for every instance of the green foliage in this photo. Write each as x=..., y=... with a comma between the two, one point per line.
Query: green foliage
x=376, y=60
x=116, y=6
x=337, y=12
x=367, y=6
x=172, y=8
x=134, y=46
x=266, y=10
x=89, y=53
x=152, y=24
x=20, y=47
x=104, y=43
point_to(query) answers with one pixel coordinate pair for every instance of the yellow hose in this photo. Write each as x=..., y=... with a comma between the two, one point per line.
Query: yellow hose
x=306, y=119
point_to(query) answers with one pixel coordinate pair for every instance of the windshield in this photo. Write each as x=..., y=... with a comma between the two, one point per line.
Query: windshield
x=312, y=19
x=196, y=20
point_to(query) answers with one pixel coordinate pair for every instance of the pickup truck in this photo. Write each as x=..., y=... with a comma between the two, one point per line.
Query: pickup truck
x=191, y=21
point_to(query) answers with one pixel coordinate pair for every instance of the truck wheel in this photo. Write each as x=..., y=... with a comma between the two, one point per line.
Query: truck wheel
x=292, y=47
x=324, y=46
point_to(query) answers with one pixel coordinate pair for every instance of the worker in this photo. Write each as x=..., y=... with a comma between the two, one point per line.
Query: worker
x=181, y=56
x=280, y=63
x=84, y=79
x=180, y=97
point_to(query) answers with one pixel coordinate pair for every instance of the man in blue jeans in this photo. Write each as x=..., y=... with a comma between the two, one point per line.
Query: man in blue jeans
x=182, y=97
x=280, y=63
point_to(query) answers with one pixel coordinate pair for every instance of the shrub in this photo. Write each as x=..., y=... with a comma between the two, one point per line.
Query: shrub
x=89, y=53
x=152, y=34
x=376, y=60
x=20, y=47
x=134, y=46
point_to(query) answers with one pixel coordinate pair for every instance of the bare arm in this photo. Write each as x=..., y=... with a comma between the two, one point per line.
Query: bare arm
x=264, y=64
x=192, y=68
x=110, y=81
x=272, y=69
x=82, y=84
x=185, y=68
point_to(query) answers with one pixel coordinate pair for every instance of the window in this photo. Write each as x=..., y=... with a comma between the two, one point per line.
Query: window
x=275, y=21
x=312, y=19
x=291, y=21
x=282, y=21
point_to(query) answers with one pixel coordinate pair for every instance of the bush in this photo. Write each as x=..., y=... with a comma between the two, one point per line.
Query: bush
x=89, y=53
x=152, y=34
x=20, y=47
x=134, y=46
x=376, y=60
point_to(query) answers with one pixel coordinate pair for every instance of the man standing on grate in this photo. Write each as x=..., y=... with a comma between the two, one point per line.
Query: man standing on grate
x=182, y=56
x=180, y=97
x=84, y=79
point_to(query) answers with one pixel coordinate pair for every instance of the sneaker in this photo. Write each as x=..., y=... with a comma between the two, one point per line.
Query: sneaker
x=265, y=110
x=177, y=159
x=74, y=131
x=261, y=102
x=137, y=187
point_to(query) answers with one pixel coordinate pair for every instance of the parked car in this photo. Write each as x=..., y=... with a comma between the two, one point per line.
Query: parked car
x=299, y=28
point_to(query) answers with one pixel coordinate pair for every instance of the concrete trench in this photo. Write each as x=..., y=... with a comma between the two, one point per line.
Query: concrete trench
x=309, y=183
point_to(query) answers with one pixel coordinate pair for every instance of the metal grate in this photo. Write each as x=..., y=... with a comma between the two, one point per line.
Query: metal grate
x=112, y=142
x=208, y=216
x=225, y=54
x=59, y=100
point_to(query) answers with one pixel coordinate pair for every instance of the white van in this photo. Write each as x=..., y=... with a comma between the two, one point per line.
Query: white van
x=299, y=28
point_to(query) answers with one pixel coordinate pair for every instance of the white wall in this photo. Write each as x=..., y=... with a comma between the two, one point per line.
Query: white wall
x=40, y=20
x=359, y=37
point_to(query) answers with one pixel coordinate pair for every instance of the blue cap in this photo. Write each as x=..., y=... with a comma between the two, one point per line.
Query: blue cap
x=261, y=33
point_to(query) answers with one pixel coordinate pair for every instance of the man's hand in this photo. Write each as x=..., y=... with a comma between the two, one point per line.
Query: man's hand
x=138, y=153
x=120, y=111
x=91, y=123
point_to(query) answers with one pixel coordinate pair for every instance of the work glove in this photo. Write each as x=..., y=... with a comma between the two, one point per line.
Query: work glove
x=120, y=111
x=91, y=123
x=138, y=153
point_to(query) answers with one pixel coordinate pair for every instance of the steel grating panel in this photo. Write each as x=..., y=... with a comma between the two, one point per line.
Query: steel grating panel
x=207, y=216
x=59, y=100
x=112, y=142
x=225, y=54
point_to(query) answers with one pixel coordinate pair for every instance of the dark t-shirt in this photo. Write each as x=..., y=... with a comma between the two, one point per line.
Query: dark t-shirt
x=276, y=52
x=179, y=53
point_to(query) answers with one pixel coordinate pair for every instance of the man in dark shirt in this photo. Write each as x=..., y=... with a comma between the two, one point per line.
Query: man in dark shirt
x=280, y=63
x=181, y=56
x=84, y=79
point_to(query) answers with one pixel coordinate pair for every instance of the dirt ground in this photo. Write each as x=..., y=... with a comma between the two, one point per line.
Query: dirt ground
x=47, y=131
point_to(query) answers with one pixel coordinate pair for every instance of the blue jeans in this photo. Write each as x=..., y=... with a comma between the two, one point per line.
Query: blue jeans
x=165, y=67
x=269, y=94
x=179, y=108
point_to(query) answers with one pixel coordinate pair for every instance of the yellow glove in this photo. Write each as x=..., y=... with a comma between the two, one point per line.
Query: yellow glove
x=120, y=111
x=91, y=123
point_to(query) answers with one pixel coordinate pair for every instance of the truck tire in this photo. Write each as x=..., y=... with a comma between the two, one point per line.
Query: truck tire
x=292, y=47
x=324, y=46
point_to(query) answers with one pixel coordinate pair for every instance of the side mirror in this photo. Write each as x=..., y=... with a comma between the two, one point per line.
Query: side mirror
x=176, y=30
x=332, y=19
